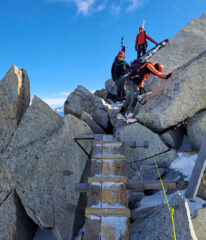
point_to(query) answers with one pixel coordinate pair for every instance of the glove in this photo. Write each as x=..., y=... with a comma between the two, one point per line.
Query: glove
x=142, y=91
x=168, y=75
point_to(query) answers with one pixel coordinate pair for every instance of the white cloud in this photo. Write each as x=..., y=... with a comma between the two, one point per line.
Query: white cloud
x=54, y=102
x=86, y=7
x=64, y=93
x=135, y=4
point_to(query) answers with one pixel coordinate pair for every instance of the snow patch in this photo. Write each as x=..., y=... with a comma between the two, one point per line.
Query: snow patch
x=118, y=227
x=184, y=164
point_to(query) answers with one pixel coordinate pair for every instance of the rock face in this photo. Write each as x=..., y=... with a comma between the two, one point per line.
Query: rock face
x=159, y=223
x=196, y=129
x=137, y=133
x=14, y=100
x=188, y=43
x=83, y=100
x=173, y=137
x=91, y=123
x=44, y=163
x=199, y=224
x=178, y=98
x=101, y=93
x=111, y=89
x=15, y=224
x=202, y=188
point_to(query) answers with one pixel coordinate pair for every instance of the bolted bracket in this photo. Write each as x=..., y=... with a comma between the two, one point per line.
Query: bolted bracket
x=133, y=144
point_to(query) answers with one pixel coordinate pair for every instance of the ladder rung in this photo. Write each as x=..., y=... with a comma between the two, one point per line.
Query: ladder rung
x=107, y=179
x=110, y=157
x=115, y=212
x=107, y=143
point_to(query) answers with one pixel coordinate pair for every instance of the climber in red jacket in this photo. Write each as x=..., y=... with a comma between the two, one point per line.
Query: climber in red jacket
x=141, y=42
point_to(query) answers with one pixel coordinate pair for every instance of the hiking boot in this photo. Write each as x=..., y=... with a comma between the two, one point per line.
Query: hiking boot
x=121, y=117
x=130, y=118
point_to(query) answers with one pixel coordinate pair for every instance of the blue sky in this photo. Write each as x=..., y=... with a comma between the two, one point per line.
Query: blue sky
x=65, y=43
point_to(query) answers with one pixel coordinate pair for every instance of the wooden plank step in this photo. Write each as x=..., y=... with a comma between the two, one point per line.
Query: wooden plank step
x=107, y=143
x=141, y=185
x=109, y=157
x=107, y=179
x=112, y=212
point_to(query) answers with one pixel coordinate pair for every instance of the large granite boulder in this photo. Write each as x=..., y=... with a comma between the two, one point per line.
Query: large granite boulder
x=202, y=188
x=15, y=224
x=159, y=225
x=178, y=98
x=44, y=163
x=101, y=93
x=199, y=224
x=91, y=123
x=138, y=134
x=146, y=169
x=173, y=137
x=186, y=44
x=83, y=100
x=196, y=130
x=113, y=115
x=110, y=87
x=14, y=100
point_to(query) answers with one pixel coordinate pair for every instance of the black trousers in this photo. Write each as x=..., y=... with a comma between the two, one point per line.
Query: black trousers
x=141, y=50
x=120, y=90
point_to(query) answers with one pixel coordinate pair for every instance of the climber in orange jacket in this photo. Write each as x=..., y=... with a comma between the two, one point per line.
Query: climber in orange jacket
x=137, y=79
x=141, y=42
x=140, y=75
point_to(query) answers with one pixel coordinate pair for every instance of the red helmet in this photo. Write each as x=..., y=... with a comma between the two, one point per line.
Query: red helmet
x=141, y=28
x=121, y=53
x=159, y=67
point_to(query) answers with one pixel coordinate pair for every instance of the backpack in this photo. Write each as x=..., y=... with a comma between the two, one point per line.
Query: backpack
x=144, y=38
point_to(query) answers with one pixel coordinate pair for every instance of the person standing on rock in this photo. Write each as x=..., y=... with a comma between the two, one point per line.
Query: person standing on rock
x=141, y=42
x=118, y=69
x=136, y=81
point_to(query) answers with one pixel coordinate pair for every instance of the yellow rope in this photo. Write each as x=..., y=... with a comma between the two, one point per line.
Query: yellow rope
x=171, y=210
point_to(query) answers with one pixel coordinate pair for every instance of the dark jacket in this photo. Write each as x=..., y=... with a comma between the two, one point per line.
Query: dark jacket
x=118, y=68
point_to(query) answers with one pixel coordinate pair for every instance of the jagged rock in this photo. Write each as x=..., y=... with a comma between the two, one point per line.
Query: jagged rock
x=15, y=224
x=4, y=184
x=111, y=89
x=113, y=115
x=134, y=198
x=137, y=133
x=83, y=100
x=173, y=137
x=196, y=130
x=139, y=215
x=159, y=226
x=44, y=163
x=178, y=98
x=91, y=123
x=202, y=188
x=186, y=44
x=101, y=93
x=199, y=224
x=14, y=100
x=146, y=172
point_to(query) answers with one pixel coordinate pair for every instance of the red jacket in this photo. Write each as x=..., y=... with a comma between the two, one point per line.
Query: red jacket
x=140, y=39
